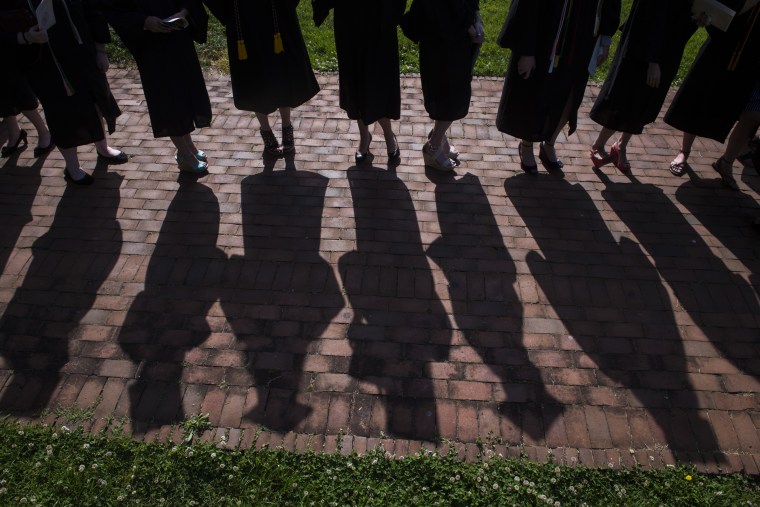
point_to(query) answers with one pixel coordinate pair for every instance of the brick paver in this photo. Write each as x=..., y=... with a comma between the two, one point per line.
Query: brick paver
x=607, y=320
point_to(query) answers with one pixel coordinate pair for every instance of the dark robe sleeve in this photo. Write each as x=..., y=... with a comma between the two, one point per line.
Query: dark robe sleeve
x=219, y=9
x=198, y=18
x=655, y=15
x=610, y=17
x=450, y=16
x=123, y=15
x=320, y=10
x=520, y=30
x=96, y=21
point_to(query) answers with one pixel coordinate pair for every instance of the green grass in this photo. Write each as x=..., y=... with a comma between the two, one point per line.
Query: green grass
x=492, y=62
x=56, y=466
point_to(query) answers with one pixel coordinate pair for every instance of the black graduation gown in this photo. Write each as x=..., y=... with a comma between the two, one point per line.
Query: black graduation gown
x=266, y=81
x=75, y=97
x=367, y=45
x=446, y=57
x=531, y=109
x=171, y=75
x=720, y=82
x=15, y=93
x=656, y=32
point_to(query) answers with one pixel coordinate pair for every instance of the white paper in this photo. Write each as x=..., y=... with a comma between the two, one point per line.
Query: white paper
x=45, y=15
x=720, y=15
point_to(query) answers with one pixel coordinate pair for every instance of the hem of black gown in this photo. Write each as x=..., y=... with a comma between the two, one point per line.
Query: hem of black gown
x=715, y=136
x=65, y=145
x=619, y=127
x=371, y=120
x=269, y=108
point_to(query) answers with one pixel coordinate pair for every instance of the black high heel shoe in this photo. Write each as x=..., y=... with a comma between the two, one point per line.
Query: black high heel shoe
x=550, y=165
x=530, y=169
x=360, y=157
x=83, y=181
x=43, y=150
x=9, y=150
x=394, y=157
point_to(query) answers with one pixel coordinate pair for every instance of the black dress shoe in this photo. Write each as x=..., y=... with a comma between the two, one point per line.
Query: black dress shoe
x=83, y=181
x=550, y=165
x=529, y=169
x=119, y=158
x=43, y=150
x=9, y=150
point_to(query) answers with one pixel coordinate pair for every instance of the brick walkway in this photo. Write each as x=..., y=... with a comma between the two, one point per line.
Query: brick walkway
x=607, y=320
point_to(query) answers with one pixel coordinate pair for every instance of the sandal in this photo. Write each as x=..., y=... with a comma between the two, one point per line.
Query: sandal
x=271, y=146
x=549, y=164
x=615, y=153
x=452, y=152
x=599, y=157
x=436, y=158
x=679, y=168
x=288, y=139
x=723, y=168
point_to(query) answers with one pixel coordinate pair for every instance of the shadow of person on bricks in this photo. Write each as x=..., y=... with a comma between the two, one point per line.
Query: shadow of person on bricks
x=488, y=312
x=613, y=304
x=729, y=218
x=721, y=304
x=282, y=294
x=19, y=186
x=69, y=264
x=399, y=324
x=168, y=318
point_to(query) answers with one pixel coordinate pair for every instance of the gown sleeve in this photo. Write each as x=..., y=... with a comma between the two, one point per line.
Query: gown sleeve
x=124, y=16
x=320, y=10
x=219, y=10
x=610, y=18
x=446, y=17
x=198, y=18
x=96, y=22
x=519, y=32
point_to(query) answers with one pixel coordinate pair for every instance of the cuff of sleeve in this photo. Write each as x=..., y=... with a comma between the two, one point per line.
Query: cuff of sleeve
x=605, y=40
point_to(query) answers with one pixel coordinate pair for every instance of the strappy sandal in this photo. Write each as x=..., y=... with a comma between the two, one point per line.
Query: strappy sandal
x=723, y=168
x=437, y=158
x=288, y=139
x=271, y=146
x=679, y=168
x=615, y=152
x=599, y=157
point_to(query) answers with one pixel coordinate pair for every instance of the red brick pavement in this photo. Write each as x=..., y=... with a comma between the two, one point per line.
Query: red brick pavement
x=604, y=319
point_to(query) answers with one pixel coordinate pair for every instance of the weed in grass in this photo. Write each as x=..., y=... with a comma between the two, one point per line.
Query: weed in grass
x=194, y=426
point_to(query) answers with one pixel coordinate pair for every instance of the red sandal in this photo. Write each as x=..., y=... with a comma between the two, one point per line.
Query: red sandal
x=615, y=151
x=599, y=157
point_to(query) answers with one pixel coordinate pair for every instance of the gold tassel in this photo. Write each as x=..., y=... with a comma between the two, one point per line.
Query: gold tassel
x=278, y=48
x=242, y=52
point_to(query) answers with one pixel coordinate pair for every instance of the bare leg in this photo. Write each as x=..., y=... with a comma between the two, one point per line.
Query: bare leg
x=622, y=144
x=439, y=132
x=184, y=145
x=263, y=121
x=71, y=160
x=285, y=116
x=43, y=134
x=365, y=138
x=527, y=157
x=390, y=137
x=601, y=140
x=551, y=153
x=686, y=143
x=436, y=150
x=743, y=130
